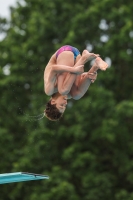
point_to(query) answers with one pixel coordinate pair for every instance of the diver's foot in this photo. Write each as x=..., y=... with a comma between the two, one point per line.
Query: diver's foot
x=100, y=64
x=89, y=55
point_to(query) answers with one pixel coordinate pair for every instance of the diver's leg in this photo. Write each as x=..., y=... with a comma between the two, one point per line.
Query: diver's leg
x=66, y=80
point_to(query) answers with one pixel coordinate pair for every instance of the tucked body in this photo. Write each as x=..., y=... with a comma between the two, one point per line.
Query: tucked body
x=64, y=77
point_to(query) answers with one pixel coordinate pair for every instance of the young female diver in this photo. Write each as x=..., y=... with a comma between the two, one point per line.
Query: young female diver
x=64, y=78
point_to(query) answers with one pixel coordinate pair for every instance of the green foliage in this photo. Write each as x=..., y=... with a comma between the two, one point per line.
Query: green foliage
x=88, y=154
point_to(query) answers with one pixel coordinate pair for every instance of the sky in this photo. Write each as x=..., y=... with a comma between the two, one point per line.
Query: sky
x=5, y=11
x=4, y=7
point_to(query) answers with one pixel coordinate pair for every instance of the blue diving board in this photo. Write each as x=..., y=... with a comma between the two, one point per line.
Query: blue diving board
x=20, y=176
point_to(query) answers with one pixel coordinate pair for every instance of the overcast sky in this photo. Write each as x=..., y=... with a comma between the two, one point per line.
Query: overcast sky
x=4, y=7
x=5, y=12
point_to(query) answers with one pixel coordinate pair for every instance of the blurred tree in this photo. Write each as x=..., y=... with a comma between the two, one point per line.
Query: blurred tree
x=88, y=154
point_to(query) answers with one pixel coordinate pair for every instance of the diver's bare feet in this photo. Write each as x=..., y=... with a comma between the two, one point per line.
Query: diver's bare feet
x=88, y=56
x=100, y=64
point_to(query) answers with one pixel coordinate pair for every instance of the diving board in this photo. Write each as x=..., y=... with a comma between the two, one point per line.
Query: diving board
x=20, y=176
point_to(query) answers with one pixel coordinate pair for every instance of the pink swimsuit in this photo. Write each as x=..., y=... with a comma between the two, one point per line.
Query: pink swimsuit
x=68, y=48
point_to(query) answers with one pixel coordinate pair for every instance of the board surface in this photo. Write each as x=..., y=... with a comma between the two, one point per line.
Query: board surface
x=20, y=176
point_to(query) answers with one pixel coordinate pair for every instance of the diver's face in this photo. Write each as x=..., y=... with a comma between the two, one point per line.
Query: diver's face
x=61, y=102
